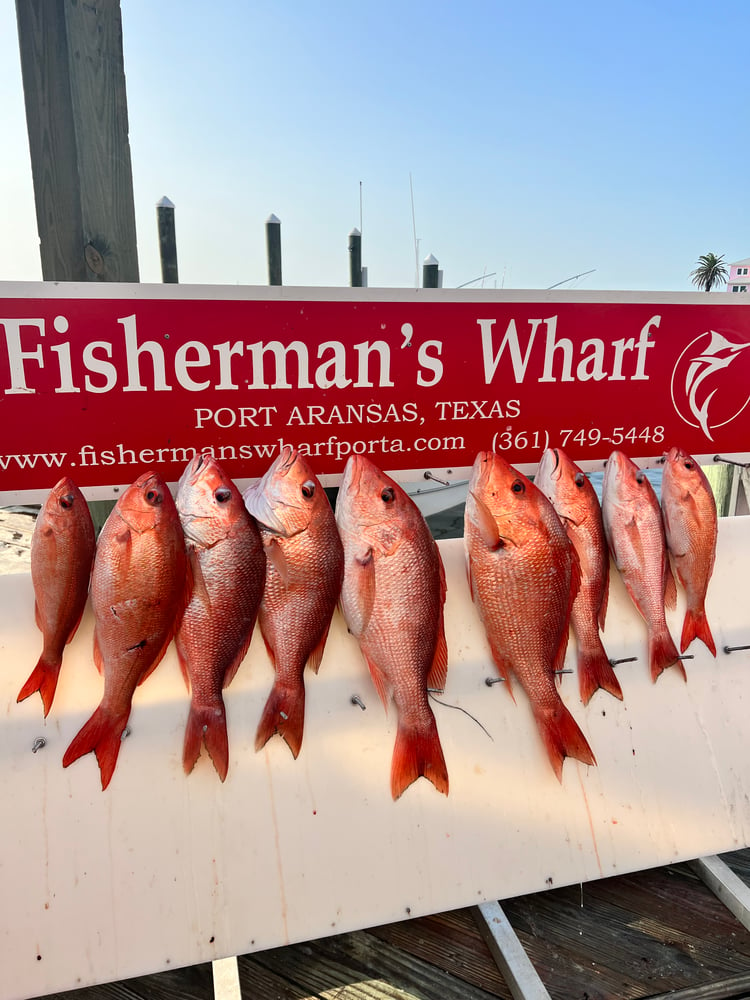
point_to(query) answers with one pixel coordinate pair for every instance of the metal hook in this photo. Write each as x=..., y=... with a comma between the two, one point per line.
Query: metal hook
x=730, y=461
x=125, y=733
x=489, y=681
x=429, y=475
x=567, y=671
x=356, y=700
x=734, y=649
x=625, y=659
x=38, y=743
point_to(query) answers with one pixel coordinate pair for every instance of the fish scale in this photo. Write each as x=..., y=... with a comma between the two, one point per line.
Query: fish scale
x=635, y=533
x=62, y=552
x=690, y=523
x=578, y=508
x=304, y=569
x=228, y=573
x=139, y=588
x=392, y=598
x=524, y=574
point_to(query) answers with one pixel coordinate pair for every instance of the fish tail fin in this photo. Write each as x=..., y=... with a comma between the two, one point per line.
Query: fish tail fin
x=663, y=653
x=563, y=738
x=43, y=678
x=102, y=734
x=595, y=672
x=696, y=626
x=418, y=752
x=206, y=724
x=284, y=714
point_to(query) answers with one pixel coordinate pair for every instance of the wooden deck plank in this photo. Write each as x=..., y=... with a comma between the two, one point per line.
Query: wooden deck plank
x=449, y=941
x=365, y=966
x=635, y=937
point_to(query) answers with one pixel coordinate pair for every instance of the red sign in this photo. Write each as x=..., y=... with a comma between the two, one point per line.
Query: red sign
x=101, y=382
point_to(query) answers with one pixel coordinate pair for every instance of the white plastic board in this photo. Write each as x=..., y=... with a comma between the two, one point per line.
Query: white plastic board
x=165, y=870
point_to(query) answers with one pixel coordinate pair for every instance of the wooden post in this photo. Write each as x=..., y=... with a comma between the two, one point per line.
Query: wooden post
x=77, y=120
x=355, y=258
x=273, y=248
x=430, y=275
x=167, y=241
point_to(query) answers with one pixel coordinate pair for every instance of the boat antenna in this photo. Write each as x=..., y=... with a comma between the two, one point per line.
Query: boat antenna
x=573, y=278
x=414, y=230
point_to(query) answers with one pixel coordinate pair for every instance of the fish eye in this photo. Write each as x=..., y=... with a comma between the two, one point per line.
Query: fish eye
x=308, y=489
x=154, y=497
x=517, y=486
x=223, y=494
x=66, y=501
x=388, y=495
x=688, y=465
x=640, y=476
x=580, y=479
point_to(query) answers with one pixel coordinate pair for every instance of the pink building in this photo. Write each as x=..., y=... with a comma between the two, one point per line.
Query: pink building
x=739, y=276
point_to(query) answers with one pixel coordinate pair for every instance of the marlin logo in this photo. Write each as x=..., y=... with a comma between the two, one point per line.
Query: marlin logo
x=719, y=354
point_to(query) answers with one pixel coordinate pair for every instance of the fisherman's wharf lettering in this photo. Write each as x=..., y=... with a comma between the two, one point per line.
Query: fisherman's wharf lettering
x=135, y=364
x=418, y=381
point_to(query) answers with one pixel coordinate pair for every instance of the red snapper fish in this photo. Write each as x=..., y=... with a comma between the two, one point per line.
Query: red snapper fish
x=62, y=552
x=524, y=574
x=304, y=570
x=138, y=593
x=577, y=506
x=635, y=533
x=690, y=523
x=392, y=600
x=228, y=570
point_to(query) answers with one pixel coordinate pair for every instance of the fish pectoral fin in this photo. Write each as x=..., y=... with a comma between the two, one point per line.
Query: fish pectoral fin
x=277, y=559
x=365, y=583
x=487, y=526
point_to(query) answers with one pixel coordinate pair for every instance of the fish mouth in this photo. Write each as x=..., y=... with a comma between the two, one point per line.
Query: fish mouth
x=550, y=465
x=263, y=501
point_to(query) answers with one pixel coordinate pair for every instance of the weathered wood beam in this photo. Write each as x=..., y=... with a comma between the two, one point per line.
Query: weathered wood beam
x=727, y=886
x=76, y=112
x=509, y=954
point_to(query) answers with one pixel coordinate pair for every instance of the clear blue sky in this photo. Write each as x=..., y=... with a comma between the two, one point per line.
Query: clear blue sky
x=542, y=139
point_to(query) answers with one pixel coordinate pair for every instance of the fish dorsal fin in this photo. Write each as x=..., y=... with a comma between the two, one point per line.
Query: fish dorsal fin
x=486, y=525
x=438, y=674
x=182, y=660
x=313, y=660
x=98, y=658
x=439, y=670
x=602, y=615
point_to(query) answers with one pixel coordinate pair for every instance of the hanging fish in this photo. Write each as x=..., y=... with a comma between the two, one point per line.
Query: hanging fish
x=575, y=501
x=62, y=553
x=392, y=599
x=304, y=569
x=690, y=523
x=228, y=570
x=139, y=588
x=635, y=533
x=524, y=574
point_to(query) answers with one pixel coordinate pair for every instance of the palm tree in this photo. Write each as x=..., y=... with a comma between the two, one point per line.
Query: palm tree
x=711, y=270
